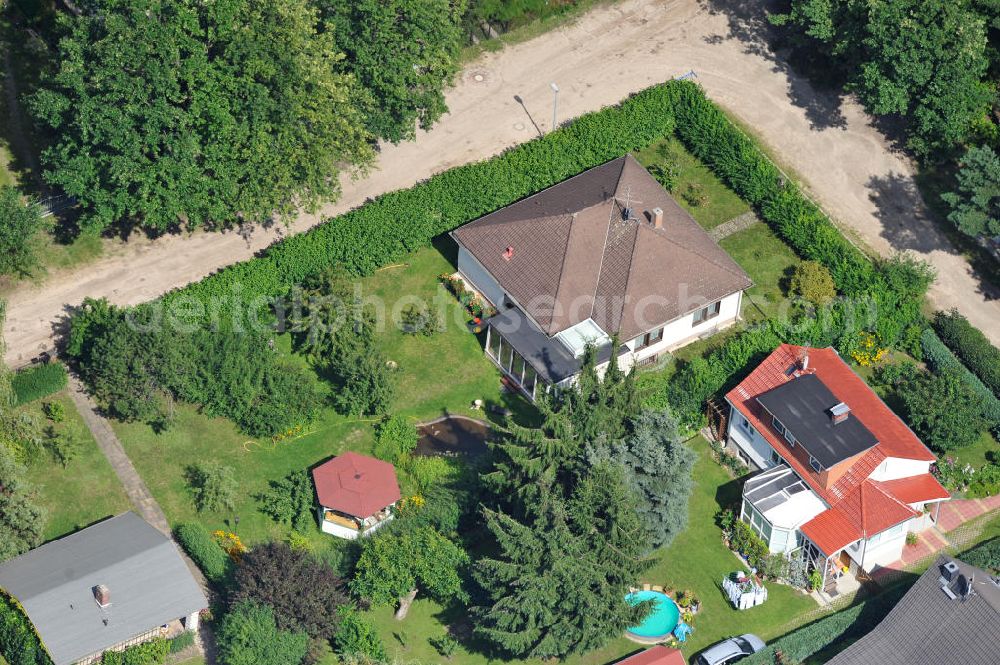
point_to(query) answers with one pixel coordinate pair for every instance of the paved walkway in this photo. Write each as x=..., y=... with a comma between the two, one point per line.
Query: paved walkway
x=854, y=171
x=140, y=496
x=735, y=225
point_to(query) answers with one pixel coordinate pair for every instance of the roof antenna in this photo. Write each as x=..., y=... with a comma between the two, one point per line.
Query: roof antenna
x=627, y=208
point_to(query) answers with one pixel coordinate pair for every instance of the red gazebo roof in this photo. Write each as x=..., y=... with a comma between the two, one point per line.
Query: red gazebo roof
x=356, y=484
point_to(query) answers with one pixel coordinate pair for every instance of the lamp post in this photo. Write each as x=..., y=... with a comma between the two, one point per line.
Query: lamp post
x=555, y=103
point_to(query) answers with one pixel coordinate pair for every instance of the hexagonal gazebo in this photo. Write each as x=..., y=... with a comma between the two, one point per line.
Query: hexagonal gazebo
x=356, y=494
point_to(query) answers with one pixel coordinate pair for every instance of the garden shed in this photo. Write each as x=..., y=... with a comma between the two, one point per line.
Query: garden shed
x=356, y=494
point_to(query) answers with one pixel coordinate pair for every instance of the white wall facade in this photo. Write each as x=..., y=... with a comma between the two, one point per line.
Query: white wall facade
x=894, y=468
x=473, y=271
x=882, y=549
x=682, y=330
x=749, y=440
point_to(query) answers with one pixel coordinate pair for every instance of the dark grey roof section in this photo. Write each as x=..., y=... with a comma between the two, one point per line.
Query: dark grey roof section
x=547, y=356
x=149, y=585
x=929, y=626
x=803, y=406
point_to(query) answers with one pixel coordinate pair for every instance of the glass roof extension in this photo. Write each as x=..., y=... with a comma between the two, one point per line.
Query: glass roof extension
x=782, y=497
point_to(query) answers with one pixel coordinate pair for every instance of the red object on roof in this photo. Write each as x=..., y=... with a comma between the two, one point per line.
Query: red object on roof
x=916, y=489
x=658, y=655
x=859, y=507
x=356, y=484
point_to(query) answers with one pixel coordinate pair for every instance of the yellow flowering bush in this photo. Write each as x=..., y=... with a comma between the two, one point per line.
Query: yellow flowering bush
x=231, y=543
x=867, y=352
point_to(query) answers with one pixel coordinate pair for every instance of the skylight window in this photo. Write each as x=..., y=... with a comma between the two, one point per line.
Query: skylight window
x=576, y=338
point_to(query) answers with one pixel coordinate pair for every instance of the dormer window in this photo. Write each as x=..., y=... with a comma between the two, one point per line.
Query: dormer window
x=814, y=463
x=777, y=425
x=789, y=438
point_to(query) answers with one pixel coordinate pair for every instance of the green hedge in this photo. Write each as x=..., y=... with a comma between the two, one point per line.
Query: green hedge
x=387, y=228
x=153, y=652
x=971, y=345
x=209, y=556
x=849, y=624
x=182, y=641
x=985, y=556
x=38, y=382
x=19, y=643
x=940, y=358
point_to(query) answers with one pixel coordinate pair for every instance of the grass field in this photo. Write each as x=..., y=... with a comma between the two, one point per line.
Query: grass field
x=769, y=262
x=437, y=375
x=86, y=490
x=719, y=204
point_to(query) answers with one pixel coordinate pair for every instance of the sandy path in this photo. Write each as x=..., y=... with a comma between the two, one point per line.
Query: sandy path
x=596, y=61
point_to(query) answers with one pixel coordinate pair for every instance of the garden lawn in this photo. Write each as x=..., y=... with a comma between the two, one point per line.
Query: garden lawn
x=770, y=263
x=719, y=204
x=976, y=453
x=440, y=374
x=86, y=490
x=696, y=560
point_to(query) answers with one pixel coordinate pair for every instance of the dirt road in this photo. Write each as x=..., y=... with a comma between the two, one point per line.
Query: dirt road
x=601, y=58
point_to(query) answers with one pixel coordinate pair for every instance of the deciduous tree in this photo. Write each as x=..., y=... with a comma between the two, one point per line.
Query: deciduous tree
x=942, y=410
x=248, y=635
x=19, y=224
x=193, y=114
x=975, y=204
x=403, y=53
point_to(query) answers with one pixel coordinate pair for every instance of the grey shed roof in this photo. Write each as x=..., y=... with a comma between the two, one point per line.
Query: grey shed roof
x=148, y=580
x=928, y=626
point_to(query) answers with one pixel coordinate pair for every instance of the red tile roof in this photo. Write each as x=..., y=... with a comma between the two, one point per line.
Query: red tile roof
x=916, y=489
x=859, y=506
x=658, y=655
x=356, y=484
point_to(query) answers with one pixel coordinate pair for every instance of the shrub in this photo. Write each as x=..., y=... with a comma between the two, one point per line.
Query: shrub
x=985, y=556
x=38, y=382
x=421, y=320
x=357, y=636
x=148, y=653
x=54, y=411
x=911, y=538
x=429, y=471
x=182, y=641
x=248, y=635
x=213, y=486
x=942, y=410
x=940, y=358
x=61, y=445
x=812, y=281
x=395, y=438
x=204, y=550
x=971, y=345
x=290, y=501
x=446, y=645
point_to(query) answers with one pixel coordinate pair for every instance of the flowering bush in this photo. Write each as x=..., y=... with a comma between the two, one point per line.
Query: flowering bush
x=232, y=544
x=954, y=476
x=867, y=352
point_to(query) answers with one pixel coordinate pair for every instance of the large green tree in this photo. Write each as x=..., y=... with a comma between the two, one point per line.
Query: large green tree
x=19, y=224
x=403, y=52
x=923, y=60
x=658, y=467
x=557, y=583
x=975, y=204
x=188, y=113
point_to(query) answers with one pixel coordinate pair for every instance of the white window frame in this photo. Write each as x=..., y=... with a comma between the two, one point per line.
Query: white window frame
x=815, y=465
x=789, y=437
x=775, y=457
x=777, y=425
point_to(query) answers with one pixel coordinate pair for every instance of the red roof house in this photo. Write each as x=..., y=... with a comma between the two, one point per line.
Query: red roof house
x=809, y=422
x=355, y=493
x=658, y=655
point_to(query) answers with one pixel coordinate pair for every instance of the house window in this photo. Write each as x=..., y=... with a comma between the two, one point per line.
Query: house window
x=706, y=313
x=775, y=457
x=744, y=423
x=789, y=438
x=777, y=425
x=650, y=338
x=814, y=463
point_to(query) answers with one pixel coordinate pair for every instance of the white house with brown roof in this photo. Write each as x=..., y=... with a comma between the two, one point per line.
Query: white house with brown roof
x=842, y=479
x=607, y=254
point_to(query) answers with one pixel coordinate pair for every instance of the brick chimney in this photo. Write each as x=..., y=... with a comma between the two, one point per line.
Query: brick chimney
x=508, y=253
x=657, y=218
x=839, y=413
x=102, y=594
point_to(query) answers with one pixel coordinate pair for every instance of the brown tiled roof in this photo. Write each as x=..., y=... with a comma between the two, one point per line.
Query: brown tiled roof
x=576, y=257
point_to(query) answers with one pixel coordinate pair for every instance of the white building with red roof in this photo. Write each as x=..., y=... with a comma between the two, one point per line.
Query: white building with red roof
x=356, y=494
x=842, y=479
